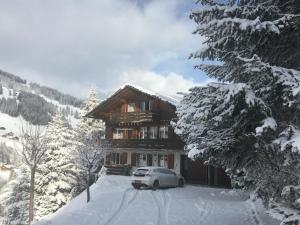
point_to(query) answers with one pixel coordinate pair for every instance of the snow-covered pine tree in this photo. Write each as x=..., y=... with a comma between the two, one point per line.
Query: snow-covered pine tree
x=87, y=125
x=15, y=198
x=57, y=180
x=89, y=133
x=250, y=123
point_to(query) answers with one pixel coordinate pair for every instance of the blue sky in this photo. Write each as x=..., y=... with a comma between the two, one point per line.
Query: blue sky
x=181, y=65
x=76, y=45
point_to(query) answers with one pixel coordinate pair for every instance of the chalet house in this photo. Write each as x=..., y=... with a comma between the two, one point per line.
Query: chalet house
x=139, y=133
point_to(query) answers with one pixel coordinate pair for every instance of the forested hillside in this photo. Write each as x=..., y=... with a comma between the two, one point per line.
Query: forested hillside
x=35, y=103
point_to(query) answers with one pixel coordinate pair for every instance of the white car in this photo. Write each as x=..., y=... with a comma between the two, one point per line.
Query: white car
x=156, y=177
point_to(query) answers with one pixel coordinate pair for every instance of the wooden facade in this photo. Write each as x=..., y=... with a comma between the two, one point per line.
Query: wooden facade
x=138, y=130
x=139, y=133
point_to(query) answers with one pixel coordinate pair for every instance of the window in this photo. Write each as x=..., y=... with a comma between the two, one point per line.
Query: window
x=124, y=133
x=115, y=158
x=146, y=106
x=118, y=133
x=153, y=132
x=142, y=159
x=163, y=160
x=155, y=160
x=163, y=132
x=149, y=159
x=131, y=107
x=143, y=132
x=143, y=106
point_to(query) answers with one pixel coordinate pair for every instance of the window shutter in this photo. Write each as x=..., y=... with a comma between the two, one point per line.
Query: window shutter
x=124, y=158
x=171, y=161
x=133, y=159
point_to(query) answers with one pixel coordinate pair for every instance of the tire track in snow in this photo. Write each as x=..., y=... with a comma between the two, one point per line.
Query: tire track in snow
x=167, y=202
x=204, y=208
x=125, y=202
x=163, y=207
x=252, y=213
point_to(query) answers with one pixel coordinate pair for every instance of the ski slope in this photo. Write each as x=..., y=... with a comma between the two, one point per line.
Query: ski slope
x=115, y=202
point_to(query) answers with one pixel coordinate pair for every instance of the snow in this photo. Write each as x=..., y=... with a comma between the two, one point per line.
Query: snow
x=267, y=123
x=6, y=93
x=71, y=119
x=284, y=214
x=11, y=124
x=4, y=176
x=294, y=142
x=244, y=24
x=170, y=99
x=114, y=201
x=194, y=150
x=14, y=125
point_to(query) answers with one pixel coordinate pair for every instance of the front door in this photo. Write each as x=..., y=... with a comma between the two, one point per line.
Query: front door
x=142, y=159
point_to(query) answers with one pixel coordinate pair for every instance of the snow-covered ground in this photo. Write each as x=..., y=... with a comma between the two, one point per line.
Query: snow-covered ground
x=115, y=202
x=4, y=177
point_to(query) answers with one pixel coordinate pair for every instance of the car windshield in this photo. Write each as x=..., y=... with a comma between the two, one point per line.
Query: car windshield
x=141, y=171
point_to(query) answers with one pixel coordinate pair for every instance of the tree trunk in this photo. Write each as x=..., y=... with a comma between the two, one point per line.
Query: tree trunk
x=31, y=194
x=88, y=187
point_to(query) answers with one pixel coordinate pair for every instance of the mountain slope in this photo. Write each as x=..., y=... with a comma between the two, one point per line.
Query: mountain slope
x=24, y=103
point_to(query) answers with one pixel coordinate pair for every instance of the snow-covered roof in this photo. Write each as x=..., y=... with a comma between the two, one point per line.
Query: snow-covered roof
x=168, y=99
x=172, y=100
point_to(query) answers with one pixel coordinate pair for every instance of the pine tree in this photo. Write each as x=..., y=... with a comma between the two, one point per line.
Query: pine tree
x=1, y=89
x=87, y=125
x=89, y=152
x=58, y=176
x=250, y=123
x=15, y=198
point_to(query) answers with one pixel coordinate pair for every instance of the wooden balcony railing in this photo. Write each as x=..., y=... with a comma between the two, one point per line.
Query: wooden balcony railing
x=127, y=117
x=146, y=143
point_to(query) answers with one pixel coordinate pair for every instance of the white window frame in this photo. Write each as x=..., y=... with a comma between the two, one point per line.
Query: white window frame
x=118, y=133
x=131, y=107
x=143, y=132
x=163, y=160
x=164, y=132
x=152, y=134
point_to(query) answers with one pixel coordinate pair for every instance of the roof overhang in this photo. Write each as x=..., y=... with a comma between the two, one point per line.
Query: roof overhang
x=119, y=97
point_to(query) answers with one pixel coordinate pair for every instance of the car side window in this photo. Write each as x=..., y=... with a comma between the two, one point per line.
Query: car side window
x=169, y=172
x=160, y=171
x=164, y=171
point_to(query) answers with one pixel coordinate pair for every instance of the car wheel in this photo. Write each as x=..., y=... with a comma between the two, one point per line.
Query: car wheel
x=180, y=183
x=136, y=186
x=155, y=185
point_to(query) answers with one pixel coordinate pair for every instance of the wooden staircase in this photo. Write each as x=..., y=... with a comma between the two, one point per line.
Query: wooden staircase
x=124, y=170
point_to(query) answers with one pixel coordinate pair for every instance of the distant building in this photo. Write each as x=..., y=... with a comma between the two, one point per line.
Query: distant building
x=139, y=133
x=6, y=167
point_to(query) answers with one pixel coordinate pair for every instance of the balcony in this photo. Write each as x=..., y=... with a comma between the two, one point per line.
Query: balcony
x=146, y=143
x=133, y=117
